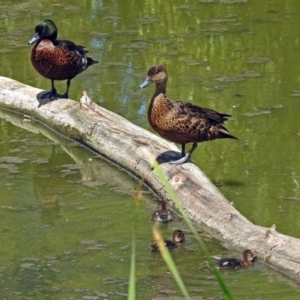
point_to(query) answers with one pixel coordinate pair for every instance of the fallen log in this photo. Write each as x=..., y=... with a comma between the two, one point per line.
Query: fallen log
x=126, y=144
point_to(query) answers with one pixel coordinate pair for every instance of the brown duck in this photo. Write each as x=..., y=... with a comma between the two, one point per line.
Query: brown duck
x=163, y=213
x=228, y=263
x=57, y=59
x=181, y=122
x=177, y=237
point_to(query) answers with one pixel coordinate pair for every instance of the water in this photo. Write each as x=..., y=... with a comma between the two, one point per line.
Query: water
x=66, y=214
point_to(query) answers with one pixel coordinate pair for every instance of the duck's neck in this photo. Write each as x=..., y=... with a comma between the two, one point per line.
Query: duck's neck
x=159, y=88
x=246, y=263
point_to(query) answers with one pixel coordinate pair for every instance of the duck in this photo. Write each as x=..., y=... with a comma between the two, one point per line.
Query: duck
x=228, y=263
x=181, y=122
x=57, y=59
x=177, y=237
x=163, y=213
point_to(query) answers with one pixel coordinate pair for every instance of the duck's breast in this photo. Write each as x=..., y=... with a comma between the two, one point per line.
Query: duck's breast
x=58, y=62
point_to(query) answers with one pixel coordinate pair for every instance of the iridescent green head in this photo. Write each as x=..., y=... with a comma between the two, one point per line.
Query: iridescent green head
x=44, y=30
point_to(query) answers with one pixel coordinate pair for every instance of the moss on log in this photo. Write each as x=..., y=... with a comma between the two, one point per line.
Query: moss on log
x=126, y=144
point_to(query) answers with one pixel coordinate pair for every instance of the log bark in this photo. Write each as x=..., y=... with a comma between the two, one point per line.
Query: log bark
x=127, y=144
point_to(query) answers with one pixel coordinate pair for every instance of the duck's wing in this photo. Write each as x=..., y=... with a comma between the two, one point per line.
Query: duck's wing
x=153, y=246
x=212, y=116
x=170, y=245
x=228, y=262
x=70, y=46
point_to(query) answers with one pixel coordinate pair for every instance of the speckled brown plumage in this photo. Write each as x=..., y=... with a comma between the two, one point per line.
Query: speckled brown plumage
x=182, y=122
x=57, y=59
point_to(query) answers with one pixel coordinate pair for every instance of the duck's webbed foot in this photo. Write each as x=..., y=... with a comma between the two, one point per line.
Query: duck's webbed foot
x=184, y=157
x=53, y=95
x=181, y=160
x=64, y=96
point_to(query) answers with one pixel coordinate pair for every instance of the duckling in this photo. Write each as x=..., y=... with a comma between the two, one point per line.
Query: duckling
x=177, y=237
x=181, y=122
x=162, y=214
x=234, y=263
x=57, y=59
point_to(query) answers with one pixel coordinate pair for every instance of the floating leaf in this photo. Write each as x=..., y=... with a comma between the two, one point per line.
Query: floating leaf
x=263, y=112
x=148, y=20
x=295, y=93
x=233, y=1
x=208, y=1
x=249, y=74
x=259, y=60
x=11, y=208
x=12, y=159
x=192, y=62
x=92, y=183
x=290, y=198
x=233, y=78
x=40, y=161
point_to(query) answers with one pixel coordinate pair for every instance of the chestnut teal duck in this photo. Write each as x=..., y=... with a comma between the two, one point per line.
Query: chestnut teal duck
x=176, y=238
x=57, y=59
x=181, y=122
x=228, y=263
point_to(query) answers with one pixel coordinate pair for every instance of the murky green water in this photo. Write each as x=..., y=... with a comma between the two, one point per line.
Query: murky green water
x=65, y=225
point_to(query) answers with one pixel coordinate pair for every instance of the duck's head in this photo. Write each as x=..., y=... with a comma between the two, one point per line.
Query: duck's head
x=177, y=236
x=44, y=30
x=162, y=205
x=156, y=74
x=248, y=256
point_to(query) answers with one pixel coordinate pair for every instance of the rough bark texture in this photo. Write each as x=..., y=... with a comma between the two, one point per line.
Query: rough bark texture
x=126, y=144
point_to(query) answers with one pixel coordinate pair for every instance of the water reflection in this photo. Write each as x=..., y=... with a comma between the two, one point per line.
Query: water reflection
x=72, y=235
x=49, y=194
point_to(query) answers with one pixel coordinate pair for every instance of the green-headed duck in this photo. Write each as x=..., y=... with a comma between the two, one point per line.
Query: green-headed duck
x=57, y=59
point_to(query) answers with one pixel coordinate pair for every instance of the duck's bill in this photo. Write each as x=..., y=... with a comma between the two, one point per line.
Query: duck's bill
x=34, y=39
x=146, y=83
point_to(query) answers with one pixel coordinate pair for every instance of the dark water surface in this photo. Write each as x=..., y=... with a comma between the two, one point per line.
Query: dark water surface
x=65, y=214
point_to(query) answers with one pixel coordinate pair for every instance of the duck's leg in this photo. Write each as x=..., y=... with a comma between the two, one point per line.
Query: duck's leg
x=184, y=157
x=52, y=95
x=66, y=94
x=182, y=150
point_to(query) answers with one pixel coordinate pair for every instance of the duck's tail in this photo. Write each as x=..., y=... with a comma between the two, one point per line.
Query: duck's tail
x=223, y=133
x=153, y=246
x=91, y=61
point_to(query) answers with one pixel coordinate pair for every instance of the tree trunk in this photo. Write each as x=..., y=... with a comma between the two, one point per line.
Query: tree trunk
x=127, y=144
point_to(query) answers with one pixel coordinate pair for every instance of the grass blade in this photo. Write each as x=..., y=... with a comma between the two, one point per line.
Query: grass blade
x=169, y=261
x=179, y=206
x=131, y=287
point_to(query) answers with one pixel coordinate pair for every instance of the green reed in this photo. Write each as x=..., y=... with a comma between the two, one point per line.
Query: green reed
x=159, y=240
